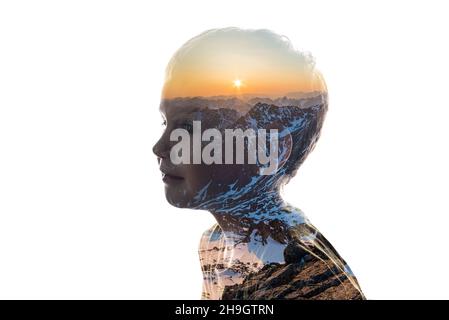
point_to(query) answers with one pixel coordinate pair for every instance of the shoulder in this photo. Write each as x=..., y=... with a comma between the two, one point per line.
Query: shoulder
x=312, y=270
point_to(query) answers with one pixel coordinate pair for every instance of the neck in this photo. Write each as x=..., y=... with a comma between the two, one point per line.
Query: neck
x=263, y=215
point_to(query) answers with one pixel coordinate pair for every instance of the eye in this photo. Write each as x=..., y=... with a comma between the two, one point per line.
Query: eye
x=187, y=126
x=164, y=123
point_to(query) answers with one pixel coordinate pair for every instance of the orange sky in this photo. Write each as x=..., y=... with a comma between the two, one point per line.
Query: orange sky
x=262, y=64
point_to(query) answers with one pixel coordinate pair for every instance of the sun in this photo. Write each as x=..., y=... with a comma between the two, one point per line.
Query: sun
x=237, y=83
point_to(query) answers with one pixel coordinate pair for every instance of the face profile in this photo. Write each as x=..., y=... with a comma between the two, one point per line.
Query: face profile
x=241, y=111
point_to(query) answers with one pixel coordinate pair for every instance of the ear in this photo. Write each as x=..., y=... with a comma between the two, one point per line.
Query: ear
x=280, y=149
x=285, y=147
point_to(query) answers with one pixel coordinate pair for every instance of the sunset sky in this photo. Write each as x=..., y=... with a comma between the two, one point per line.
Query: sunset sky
x=236, y=63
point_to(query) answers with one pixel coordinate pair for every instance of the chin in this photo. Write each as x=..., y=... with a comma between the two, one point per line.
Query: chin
x=176, y=201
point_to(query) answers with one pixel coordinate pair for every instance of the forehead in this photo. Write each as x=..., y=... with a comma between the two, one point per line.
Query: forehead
x=194, y=109
x=172, y=110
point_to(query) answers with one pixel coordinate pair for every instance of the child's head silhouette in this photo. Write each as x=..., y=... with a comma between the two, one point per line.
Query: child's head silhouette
x=237, y=79
x=242, y=110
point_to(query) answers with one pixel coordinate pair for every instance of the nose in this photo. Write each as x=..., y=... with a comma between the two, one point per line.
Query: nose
x=160, y=148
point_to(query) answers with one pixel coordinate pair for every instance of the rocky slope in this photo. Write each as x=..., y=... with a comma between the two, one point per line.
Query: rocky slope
x=303, y=276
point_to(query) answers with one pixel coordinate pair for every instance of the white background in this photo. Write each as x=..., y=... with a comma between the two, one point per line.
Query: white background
x=82, y=210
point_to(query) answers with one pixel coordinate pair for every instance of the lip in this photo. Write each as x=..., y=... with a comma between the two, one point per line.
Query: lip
x=170, y=178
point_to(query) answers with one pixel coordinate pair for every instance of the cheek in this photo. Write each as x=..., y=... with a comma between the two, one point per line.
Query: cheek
x=217, y=177
x=198, y=176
